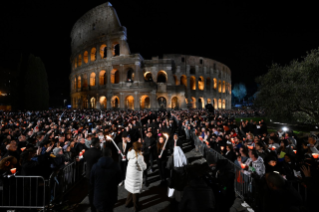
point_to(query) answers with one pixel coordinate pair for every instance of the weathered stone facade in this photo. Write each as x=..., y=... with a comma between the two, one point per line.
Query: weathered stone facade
x=106, y=75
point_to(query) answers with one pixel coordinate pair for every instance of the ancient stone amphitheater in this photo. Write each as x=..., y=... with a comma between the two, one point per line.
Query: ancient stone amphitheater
x=106, y=75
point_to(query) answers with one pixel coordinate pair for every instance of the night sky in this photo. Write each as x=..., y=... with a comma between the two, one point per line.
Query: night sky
x=247, y=36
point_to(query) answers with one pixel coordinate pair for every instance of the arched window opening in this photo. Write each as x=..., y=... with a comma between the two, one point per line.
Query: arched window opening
x=193, y=83
x=162, y=77
x=80, y=61
x=201, y=83
x=176, y=80
x=86, y=57
x=224, y=87
x=215, y=104
x=209, y=101
x=115, y=76
x=219, y=86
x=103, y=102
x=148, y=77
x=79, y=82
x=161, y=102
x=85, y=81
x=192, y=70
x=129, y=102
x=224, y=104
x=145, y=102
x=93, y=54
x=183, y=60
x=116, y=49
x=214, y=67
x=92, y=79
x=130, y=75
x=93, y=102
x=194, y=102
x=115, y=102
x=74, y=83
x=215, y=83
x=75, y=63
x=175, y=104
x=102, y=77
x=208, y=83
x=229, y=88
x=186, y=101
x=103, y=51
x=219, y=104
x=201, y=103
x=184, y=80
x=201, y=61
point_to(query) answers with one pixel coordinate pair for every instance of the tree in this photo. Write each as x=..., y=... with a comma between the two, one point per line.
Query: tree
x=239, y=91
x=291, y=92
x=36, y=85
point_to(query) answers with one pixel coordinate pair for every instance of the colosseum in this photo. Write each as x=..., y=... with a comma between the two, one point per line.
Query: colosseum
x=105, y=75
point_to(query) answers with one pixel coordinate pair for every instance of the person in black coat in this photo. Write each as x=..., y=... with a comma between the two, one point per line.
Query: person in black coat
x=230, y=154
x=91, y=157
x=174, y=142
x=124, y=148
x=148, y=149
x=162, y=159
x=105, y=176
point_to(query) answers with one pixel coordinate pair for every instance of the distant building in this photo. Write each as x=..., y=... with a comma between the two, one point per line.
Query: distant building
x=6, y=79
x=106, y=75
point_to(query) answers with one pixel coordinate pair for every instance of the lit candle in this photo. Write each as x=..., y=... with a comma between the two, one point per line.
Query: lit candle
x=273, y=148
x=22, y=149
x=295, y=151
x=250, y=147
x=83, y=151
x=222, y=148
x=13, y=171
x=315, y=155
x=243, y=165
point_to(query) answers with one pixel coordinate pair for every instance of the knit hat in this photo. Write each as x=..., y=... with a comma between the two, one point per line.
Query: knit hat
x=56, y=150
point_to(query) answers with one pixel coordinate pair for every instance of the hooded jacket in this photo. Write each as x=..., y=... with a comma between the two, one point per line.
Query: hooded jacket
x=257, y=165
x=104, y=178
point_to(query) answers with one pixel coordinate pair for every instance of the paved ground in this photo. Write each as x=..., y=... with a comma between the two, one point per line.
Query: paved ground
x=153, y=199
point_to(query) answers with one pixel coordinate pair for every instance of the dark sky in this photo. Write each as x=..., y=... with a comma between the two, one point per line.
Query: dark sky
x=245, y=35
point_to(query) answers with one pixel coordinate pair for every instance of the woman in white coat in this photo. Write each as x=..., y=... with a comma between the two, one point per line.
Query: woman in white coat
x=134, y=174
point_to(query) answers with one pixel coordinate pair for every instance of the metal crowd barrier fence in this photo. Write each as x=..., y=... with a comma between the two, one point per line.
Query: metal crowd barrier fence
x=23, y=192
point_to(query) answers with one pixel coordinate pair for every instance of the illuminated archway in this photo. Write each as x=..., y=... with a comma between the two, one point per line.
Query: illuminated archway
x=215, y=83
x=74, y=83
x=201, y=103
x=129, y=102
x=79, y=60
x=209, y=101
x=201, y=83
x=148, y=76
x=224, y=87
x=208, y=83
x=85, y=81
x=103, y=102
x=103, y=51
x=145, y=102
x=176, y=80
x=115, y=76
x=115, y=102
x=193, y=83
x=79, y=82
x=162, y=76
x=162, y=102
x=224, y=104
x=102, y=77
x=215, y=104
x=93, y=54
x=194, y=102
x=92, y=79
x=75, y=63
x=174, y=103
x=92, y=102
x=219, y=86
x=86, y=57
x=130, y=75
x=219, y=104
x=184, y=80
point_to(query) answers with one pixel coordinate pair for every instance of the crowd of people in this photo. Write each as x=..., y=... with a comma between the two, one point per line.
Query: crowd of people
x=122, y=147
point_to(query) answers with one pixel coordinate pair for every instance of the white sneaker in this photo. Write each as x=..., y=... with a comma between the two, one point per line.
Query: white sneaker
x=121, y=183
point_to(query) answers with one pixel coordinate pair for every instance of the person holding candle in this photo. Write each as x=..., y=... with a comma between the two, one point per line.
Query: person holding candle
x=162, y=159
x=254, y=164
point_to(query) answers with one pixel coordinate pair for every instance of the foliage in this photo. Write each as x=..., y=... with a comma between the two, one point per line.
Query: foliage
x=36, y=85
x=291, y=92
x=239, y=91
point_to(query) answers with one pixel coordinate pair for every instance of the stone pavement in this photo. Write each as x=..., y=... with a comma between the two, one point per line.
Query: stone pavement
x=153, y=198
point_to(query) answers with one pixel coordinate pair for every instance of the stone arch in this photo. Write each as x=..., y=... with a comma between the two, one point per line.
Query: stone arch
x=219, y=104
x=79, y=60
x=85, y=81
x=193, y=83
x=74, y=84
x=129, y=102
x=208, y=83
x=215, y=83
x=192, y=70
x=103, y=51
x=93, y=102
x=75, y=63
x=229, y=88
x=194, y=103
x=79, y=82
x=209, y=101
x=224, y=87
x=224, y=104
x=219, y=86
x=162, y=103
x=93, y=54
x=103, y=102
x=184, y=80
x=148, y=77
x=92, y=79
x=201, y=103
x=201, y=83
x=176, y=80
x=116, y=49
x=215, y=104
x=115, y=102
x=145, y=102
x=162, y=77
x=86, y=57
x=102, y=77
x=130, y=75
x=174, y=103
x=115, y=76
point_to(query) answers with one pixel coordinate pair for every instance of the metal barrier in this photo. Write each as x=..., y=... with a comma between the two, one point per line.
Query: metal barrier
x=24, y=192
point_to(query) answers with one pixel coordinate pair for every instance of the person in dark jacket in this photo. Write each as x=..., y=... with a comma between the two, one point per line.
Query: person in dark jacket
x=91, y=157
x=105, y=176
x=148, y=150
